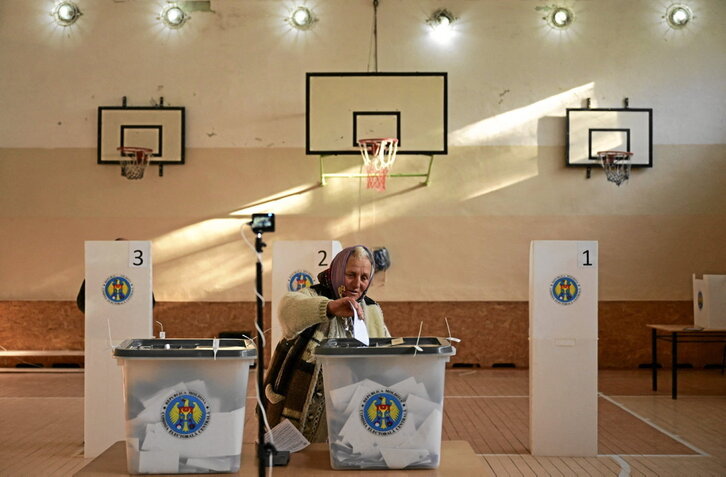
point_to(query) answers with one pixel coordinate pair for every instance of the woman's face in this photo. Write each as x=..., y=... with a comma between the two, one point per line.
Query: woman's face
x=357, y=277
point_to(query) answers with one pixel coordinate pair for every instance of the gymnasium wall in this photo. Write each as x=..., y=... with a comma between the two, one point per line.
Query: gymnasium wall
x=240, y=72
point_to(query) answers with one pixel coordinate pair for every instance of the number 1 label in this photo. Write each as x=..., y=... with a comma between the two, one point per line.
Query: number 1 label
x=587, y=254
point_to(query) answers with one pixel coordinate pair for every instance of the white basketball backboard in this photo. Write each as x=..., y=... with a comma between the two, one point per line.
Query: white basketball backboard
x=342, y=108
x=590, y=130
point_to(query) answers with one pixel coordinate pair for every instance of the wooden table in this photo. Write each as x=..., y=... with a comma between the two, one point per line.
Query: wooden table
x=678, y=334
x=457, y=458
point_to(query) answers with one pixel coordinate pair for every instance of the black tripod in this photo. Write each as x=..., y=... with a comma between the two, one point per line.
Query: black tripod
x=267, y=454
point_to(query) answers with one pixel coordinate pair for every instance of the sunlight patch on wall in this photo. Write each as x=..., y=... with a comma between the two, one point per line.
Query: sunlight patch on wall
x=290, y=201
x=519, y=126
x=194, y=238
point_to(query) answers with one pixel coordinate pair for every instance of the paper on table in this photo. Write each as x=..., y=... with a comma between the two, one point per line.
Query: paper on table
x=287, y=438
x=360, y=332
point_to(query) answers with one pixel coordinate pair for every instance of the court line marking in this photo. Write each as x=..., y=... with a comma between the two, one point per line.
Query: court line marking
x=624, y=466
x=655, y=426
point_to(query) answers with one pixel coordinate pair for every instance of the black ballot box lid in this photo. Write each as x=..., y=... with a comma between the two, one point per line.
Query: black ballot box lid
x=425, y=345
x=186, y=348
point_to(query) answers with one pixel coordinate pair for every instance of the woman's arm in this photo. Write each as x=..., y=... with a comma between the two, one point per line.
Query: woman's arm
x=300, y=310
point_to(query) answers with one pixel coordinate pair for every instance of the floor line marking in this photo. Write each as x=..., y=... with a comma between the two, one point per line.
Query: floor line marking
x=656, y=426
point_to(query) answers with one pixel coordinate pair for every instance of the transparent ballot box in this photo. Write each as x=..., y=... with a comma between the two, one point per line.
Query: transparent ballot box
x=185, y=403
x=384, y=402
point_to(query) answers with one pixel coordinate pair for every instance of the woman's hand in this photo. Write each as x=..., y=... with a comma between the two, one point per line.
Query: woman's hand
x=344, y=307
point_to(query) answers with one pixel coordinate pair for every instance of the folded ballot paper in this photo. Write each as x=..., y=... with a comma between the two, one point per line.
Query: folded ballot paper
x=180, y=429
x=377, y=426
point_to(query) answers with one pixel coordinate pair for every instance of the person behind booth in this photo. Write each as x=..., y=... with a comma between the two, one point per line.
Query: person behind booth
x=294, y=384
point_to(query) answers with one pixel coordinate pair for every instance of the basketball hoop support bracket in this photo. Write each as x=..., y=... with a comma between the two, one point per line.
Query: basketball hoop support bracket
x=324, y=176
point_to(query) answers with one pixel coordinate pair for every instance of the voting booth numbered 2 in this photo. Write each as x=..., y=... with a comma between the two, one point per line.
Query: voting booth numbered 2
x=118, y=306
x=295, y=265
x=563, y=334
x=384, y=402
x=184, y=403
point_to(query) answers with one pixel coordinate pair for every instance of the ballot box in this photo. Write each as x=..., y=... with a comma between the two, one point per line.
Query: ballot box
x=384, y=402
x=185, y=403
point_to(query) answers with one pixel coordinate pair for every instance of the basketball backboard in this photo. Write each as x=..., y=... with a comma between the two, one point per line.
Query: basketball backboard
x=590, y=130
x=160, y=129
x=342, y=108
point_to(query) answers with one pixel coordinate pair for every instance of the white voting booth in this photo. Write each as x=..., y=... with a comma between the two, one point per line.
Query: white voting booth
x=709, y=301
x=563, y=298
x=118, y=307
x=295, y=265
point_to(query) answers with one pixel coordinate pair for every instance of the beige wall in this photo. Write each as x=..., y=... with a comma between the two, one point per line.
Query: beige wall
x=240, y=73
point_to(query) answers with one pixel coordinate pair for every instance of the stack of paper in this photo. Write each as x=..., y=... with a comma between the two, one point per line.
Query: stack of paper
x=414, y=442
x=216, y=448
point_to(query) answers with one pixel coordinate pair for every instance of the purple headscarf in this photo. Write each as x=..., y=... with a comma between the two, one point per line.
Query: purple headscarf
x=334, y=277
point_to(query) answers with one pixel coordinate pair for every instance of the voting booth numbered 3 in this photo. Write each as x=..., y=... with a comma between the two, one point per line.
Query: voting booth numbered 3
x=384, y=402
x=118, y=306
x=184, y=403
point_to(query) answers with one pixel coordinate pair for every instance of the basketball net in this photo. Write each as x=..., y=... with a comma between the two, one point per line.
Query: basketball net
x=616, y=165
x=379, y=154
x=134, y=161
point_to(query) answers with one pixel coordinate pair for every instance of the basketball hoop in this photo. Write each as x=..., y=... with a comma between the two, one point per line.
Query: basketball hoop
x=616, y=165
x=134, y=161
x=379, y=154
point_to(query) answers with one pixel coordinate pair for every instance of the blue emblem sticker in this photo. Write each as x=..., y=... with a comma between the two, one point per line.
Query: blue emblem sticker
x=383, y=412
x=117, y=289
x=185, y=415
x=299, y=280
x=565, y=289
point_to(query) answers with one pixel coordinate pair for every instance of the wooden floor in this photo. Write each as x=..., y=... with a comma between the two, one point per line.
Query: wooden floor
x=640, y=432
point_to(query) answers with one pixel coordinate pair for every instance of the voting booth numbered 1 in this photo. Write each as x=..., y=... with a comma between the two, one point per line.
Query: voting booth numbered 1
x=295, y=265
x=118, y=306
x=563, y=334
x=185, y=403
x=709, y=302
x=384, y=403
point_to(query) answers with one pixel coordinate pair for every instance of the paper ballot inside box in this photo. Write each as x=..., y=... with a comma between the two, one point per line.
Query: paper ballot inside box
x=395, y=419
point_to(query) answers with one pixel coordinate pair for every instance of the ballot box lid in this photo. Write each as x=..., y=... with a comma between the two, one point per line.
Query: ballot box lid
x=347, y=347
x=185, y=348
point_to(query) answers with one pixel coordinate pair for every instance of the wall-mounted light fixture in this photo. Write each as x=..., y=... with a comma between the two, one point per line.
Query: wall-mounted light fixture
x=441, y=20
x=678, y=15
x=302, y=18
x=173, y=16
x=559, y=17
x=65, y=13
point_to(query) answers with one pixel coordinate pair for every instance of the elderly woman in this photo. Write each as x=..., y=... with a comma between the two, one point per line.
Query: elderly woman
x=294, y=385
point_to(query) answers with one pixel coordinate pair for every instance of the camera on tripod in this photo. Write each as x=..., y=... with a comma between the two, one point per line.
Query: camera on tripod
x=262, y=223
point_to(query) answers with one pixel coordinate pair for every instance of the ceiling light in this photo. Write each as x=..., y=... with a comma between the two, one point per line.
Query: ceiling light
x=66, y=13
x=441, y=20
x=302, y=18
x=560, y=17
x=678, y=15
x=173, y=16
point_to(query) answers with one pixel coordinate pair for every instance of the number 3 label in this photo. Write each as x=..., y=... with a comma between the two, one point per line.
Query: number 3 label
x=139, y=254
x=587, y=254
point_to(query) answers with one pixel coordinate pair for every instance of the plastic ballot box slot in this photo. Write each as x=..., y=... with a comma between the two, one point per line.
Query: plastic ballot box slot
x=185, y=403
x=384, y=402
